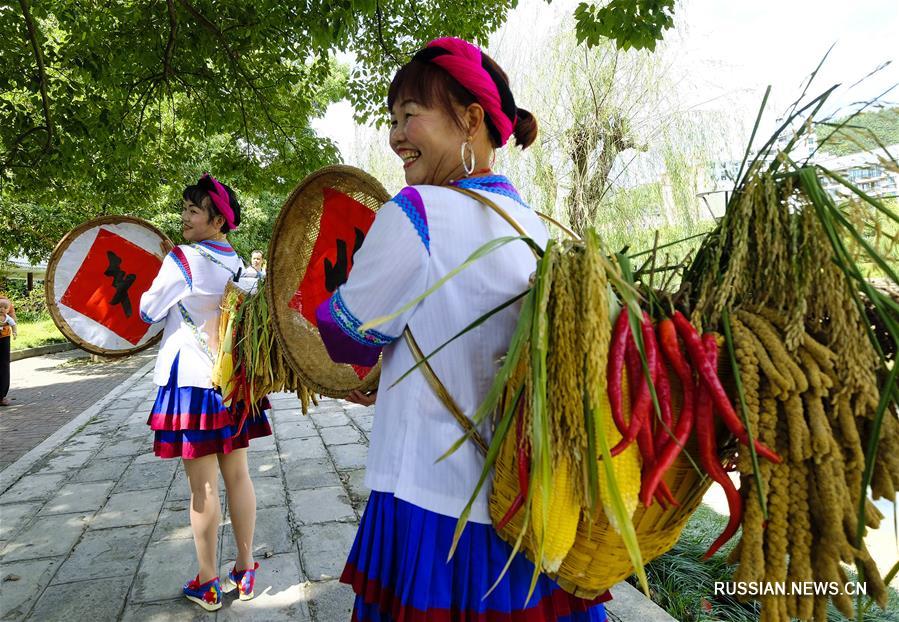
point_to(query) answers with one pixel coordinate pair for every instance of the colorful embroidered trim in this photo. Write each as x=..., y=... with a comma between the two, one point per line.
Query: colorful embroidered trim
x=498, y=184
x=181, y=261
x=222, y=248
x=349, y=324
x=146, y=318
x=410, y=202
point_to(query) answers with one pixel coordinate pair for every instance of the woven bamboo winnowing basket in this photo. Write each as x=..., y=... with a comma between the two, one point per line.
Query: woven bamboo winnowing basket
x=598, y=559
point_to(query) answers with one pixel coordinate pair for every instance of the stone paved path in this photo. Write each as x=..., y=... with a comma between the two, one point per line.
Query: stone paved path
x=97, y=529
x=48, y=391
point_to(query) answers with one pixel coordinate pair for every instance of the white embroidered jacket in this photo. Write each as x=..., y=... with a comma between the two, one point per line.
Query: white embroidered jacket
x=416, y=239
x=187, y=295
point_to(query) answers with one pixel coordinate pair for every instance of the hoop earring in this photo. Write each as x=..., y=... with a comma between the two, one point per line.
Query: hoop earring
x=468, y=168
x=492, y=158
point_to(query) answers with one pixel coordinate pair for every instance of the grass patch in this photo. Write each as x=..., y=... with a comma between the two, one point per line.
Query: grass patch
x=34, y=334
x=684, y=585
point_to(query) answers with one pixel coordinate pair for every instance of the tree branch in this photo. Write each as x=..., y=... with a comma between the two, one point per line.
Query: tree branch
x=235, y=60
x=167, y=70
x=39, y=58
x=380, y=17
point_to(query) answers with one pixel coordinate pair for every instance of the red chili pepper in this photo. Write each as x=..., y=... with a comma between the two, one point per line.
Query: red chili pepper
x=659, y=383
x=708, y=454
x=665, y=427
x=665, y=493
x=647, y=452
x=708, y=375
x=641, y=401
x=685, y=422
x=617, y=349
x=648, y=455
x=523, y=472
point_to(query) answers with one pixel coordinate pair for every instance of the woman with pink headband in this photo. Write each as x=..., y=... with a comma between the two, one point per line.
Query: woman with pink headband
x=189, y=419
x=451, y=108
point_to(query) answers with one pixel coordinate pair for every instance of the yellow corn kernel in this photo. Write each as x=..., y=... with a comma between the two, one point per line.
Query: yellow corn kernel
x=627, y=465
x=562, y=515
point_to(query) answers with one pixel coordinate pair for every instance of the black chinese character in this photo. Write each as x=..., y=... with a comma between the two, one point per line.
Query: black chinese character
x=120, y=281
x=336, y=274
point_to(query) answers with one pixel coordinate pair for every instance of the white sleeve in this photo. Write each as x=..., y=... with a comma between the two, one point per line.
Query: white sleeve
x=171, y=285
x=10, y=320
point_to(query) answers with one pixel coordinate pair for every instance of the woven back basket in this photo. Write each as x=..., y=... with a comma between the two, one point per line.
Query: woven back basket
x=598, y=559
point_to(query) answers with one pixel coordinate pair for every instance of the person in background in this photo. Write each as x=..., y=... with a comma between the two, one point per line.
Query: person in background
x=8, y=331
x=257, y=265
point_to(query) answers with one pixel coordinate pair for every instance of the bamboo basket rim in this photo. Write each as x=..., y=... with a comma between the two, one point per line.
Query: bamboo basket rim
x=301, y=344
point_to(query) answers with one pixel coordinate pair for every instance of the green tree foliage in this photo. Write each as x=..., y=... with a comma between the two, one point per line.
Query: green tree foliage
x=859, y=133
x=637, y=24
x=113, y=107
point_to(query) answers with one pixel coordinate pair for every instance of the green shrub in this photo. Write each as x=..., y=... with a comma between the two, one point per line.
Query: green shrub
x=30, y=307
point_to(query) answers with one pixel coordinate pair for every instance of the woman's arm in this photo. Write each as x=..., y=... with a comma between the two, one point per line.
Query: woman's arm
x=173, y=283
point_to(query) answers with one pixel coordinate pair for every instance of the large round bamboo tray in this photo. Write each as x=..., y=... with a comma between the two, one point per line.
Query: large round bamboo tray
x=93, y=327
x=293, y=240
x=598, y=559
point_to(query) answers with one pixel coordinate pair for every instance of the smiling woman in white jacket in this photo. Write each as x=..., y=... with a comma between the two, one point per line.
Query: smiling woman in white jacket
x=189, y=419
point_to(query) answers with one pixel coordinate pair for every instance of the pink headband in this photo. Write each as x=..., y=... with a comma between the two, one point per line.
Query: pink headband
x=465, y=63
x=220, y=199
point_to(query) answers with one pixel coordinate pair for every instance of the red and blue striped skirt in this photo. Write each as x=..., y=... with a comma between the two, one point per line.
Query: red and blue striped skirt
x=191, y=422
x=399, y=571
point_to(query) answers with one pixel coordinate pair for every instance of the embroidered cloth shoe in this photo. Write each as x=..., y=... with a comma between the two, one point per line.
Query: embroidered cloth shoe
x=243, y=580
x=208, y=595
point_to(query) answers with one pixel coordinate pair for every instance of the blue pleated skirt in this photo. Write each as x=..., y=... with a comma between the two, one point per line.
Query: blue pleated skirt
x=191, y=422
x=398, y=568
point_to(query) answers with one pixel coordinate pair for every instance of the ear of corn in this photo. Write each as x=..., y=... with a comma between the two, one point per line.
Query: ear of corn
x=561, y=515
x=627, y=466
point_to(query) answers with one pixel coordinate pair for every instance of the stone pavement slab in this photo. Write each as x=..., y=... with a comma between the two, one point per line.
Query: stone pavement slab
x=48, y=391
x=20, y=594
x=324, y=547
x=14, y=517
x=140, y=507
x=38, y=487
x=310, y=474
x=321, y=505
x=46, y=536
x=103, y=553
x=78, y=497
x=102, y=599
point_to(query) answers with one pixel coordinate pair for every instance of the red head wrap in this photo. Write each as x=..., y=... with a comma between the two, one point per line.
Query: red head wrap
x=466, y=64
x=220, y=198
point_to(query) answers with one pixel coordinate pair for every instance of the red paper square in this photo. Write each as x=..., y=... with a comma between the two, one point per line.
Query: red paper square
x=92, y=292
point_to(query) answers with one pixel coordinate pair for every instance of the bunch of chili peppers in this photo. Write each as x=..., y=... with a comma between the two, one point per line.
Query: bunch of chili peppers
x=662, y=438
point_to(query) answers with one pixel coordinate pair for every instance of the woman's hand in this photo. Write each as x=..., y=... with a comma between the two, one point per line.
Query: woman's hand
x=364, y=399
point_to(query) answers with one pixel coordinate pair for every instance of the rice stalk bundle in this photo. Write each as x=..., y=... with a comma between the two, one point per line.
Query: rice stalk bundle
x=813, y=344
x=250, y=364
